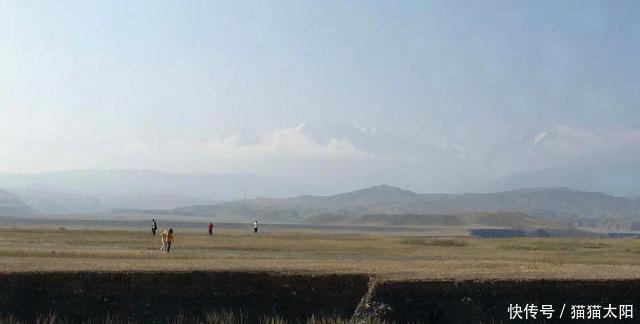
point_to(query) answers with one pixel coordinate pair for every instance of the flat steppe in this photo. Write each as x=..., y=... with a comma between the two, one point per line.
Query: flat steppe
x=385, y=256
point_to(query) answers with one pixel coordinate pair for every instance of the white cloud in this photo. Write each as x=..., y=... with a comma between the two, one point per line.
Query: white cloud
x=540, y=137
x=568, y=141
x=227, y=153
x=293, y=142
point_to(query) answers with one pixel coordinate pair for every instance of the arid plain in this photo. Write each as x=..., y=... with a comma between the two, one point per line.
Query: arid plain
x=383, y=256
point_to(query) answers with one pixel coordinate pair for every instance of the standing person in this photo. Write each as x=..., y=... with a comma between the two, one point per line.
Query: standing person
x=170, y=239
x=164, y=240
x=154, y=227
x=255, y=226
x=210, y=229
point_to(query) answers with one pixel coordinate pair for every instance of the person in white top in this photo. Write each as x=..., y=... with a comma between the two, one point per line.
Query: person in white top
x=255, y=226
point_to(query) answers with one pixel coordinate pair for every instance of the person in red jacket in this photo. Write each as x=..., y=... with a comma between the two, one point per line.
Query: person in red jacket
x=210, y=229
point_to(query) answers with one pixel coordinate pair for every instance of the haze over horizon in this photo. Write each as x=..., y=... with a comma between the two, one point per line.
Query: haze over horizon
x=427, y=96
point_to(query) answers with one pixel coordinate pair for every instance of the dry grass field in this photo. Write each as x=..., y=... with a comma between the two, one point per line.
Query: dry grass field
x=387, y=257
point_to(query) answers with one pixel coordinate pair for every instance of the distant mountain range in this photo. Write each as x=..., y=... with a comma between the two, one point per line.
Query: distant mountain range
x=545, y=203
x=614, y=179
x=126, y=194
x=11, y=205
x=91, y=191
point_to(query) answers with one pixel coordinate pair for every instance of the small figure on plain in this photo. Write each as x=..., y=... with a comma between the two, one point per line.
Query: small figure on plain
x=211, y=229
x=164, y=240
x=170, y=239
x=154, y=227
x=255, y=226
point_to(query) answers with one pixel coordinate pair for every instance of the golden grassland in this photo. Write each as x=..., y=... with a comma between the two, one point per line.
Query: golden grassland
x=386, y=257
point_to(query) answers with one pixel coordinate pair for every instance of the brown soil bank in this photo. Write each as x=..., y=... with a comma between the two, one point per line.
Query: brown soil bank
x=153, y=297
x=488, y=301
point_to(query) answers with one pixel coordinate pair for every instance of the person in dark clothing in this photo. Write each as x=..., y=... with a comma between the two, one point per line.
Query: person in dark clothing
x=210, y=229
x=170, y=239
x=154, y=227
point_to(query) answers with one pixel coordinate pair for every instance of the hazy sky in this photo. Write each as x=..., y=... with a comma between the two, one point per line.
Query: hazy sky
x=424, y=95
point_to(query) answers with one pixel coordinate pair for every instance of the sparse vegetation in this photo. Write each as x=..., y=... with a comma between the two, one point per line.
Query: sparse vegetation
x=555, y=245
x=434, y=242
x=387, y=257
x=225, y=317
x=217, y=317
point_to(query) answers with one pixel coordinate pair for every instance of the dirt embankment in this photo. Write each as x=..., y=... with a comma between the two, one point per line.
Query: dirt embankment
x=154, y=297
x=488, y=301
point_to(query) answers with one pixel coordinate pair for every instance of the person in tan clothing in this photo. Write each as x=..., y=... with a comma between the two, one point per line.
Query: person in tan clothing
x=164, y=240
